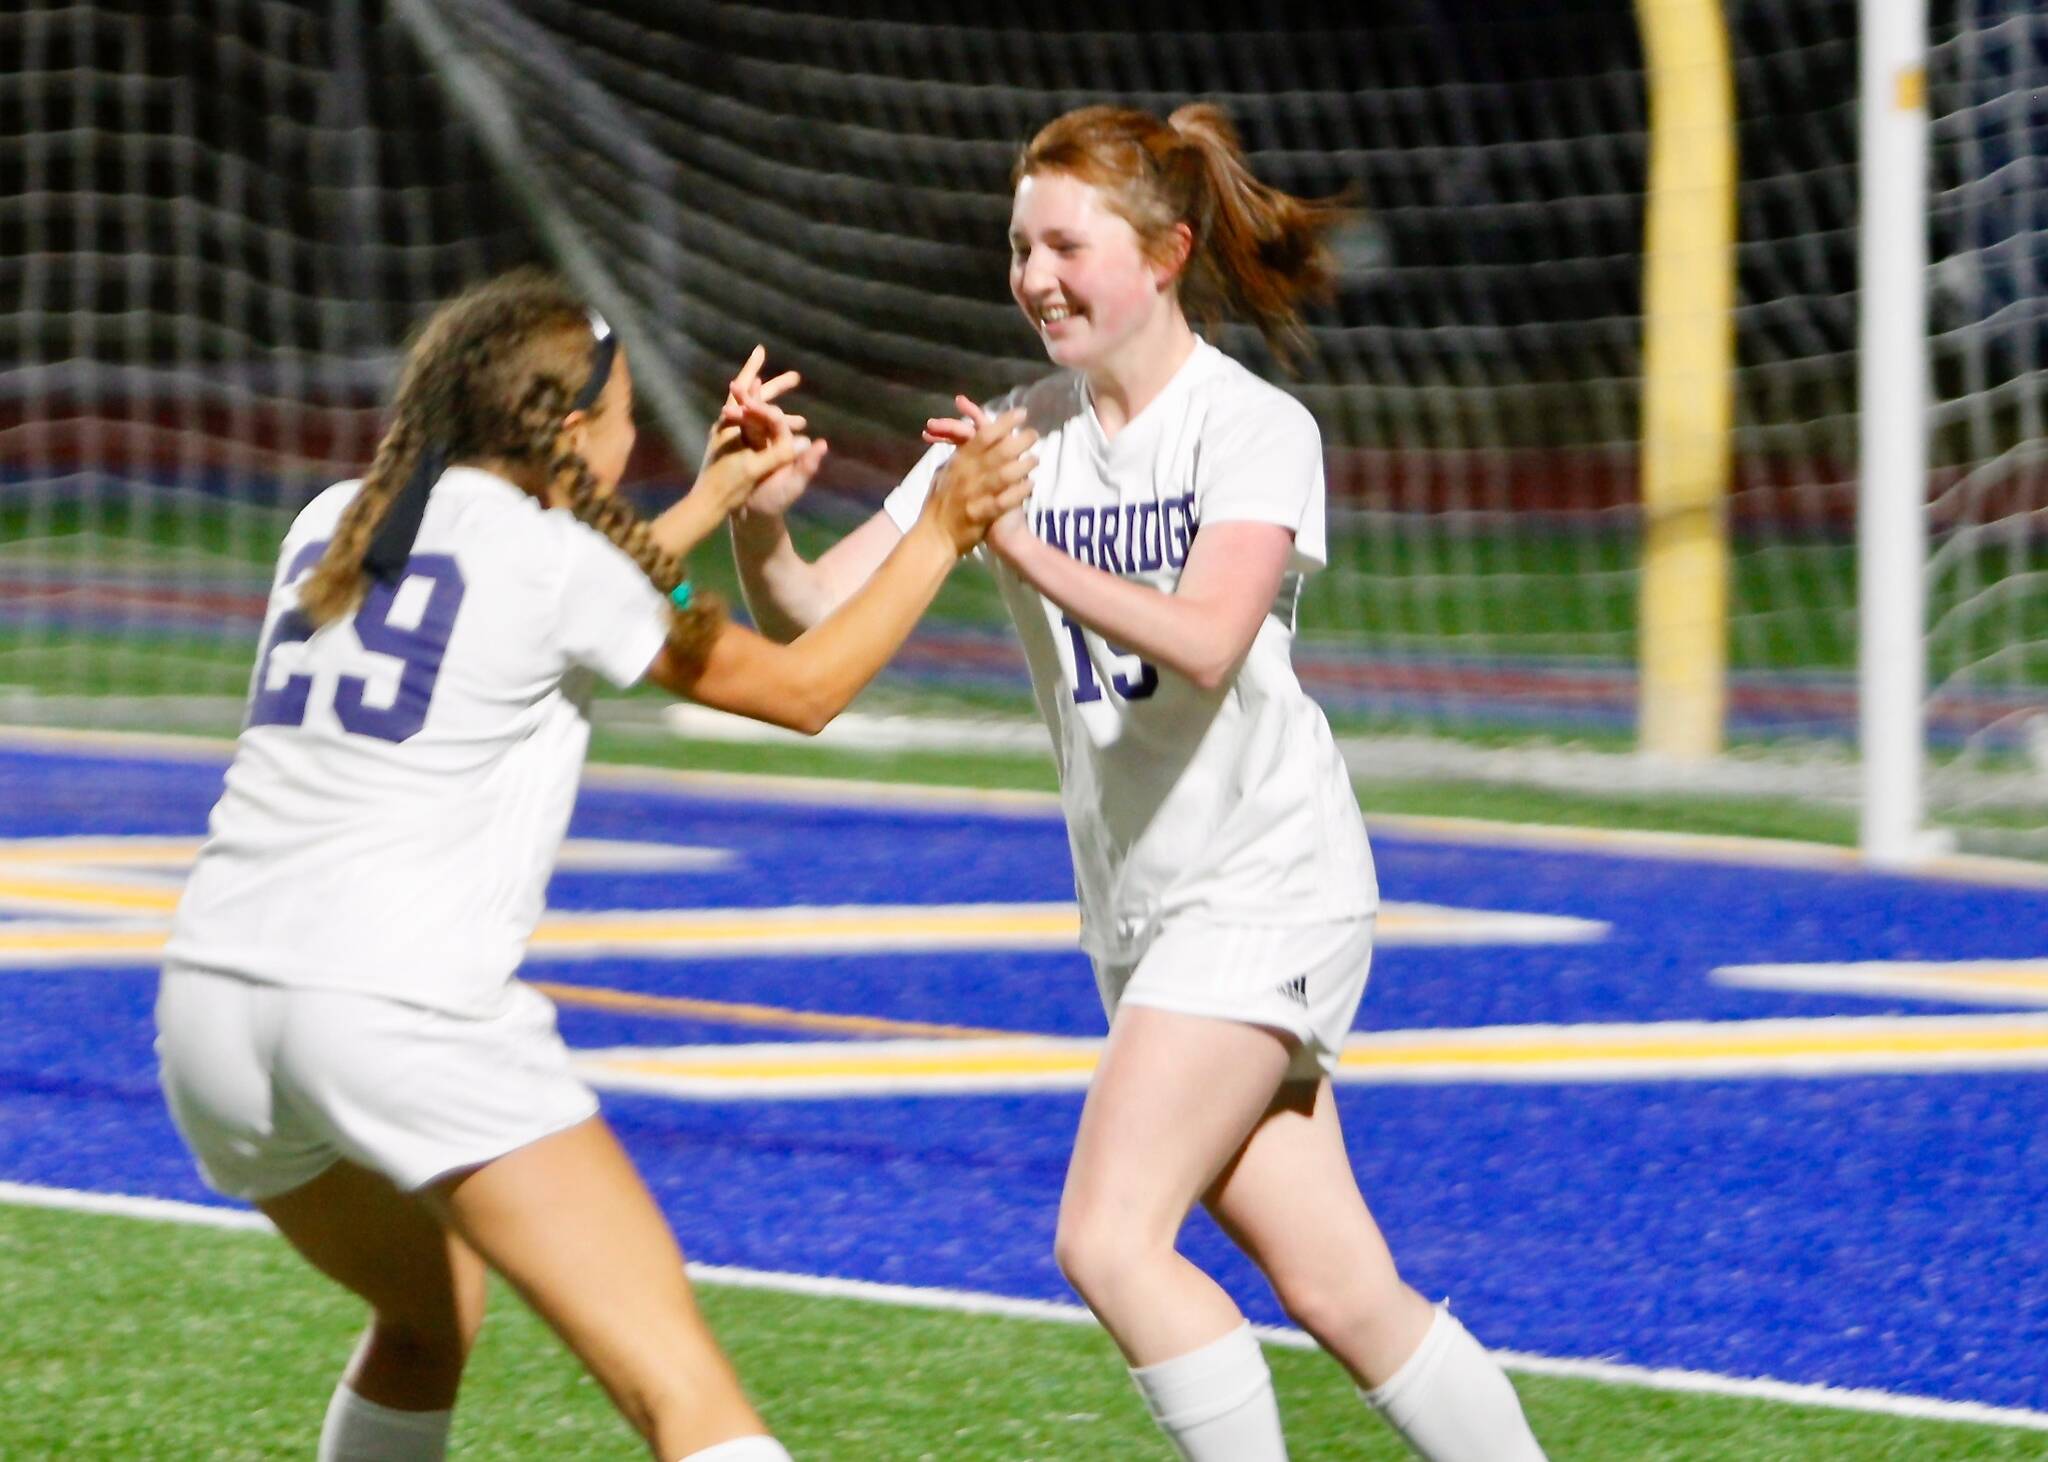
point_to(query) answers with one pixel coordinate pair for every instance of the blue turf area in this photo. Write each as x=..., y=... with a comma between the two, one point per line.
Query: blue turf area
x=1882, y=1232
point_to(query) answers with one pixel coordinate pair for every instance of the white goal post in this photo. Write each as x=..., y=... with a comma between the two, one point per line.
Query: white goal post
x=1893, y=415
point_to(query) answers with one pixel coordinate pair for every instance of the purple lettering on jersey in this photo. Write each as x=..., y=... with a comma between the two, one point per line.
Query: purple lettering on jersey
x=1106, y=525
x=1052, y=527
x=305, y=559
x=1084, y=535
x=1139, y=689
x=285, y=705
x=1131, y=539
x=1149, y=549
x=418, y=651
x=1180, y=528
x=1086, y=687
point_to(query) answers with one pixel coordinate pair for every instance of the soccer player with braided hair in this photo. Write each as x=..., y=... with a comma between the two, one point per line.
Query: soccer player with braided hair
x=342, y=1037
x=1227, y=891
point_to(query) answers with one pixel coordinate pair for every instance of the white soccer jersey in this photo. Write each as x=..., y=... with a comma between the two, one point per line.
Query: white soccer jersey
x=398, y=797
x=1233, y=802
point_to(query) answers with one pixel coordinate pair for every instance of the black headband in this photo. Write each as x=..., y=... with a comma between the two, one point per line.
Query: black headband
x=603, y=347
x=391, y=546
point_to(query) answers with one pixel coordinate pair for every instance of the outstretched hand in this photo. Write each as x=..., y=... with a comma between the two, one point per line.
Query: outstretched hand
x=753, y=445
x=750, y=410
x=986, y=480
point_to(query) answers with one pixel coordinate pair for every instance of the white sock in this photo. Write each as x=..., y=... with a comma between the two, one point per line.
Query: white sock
x=1216, y=1404
x=742, y=1449
x=362, y=1431
x=1452, y=1402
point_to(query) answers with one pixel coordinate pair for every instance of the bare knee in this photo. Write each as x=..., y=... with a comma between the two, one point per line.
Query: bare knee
x=435, y=1322
x=426, y=1338
x=1334, y=1308
x=1102, y=1256
x=1082, y=1247
x=413, y=1362
x=1348, y=1315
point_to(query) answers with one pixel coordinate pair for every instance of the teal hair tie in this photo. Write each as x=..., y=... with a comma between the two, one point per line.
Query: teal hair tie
x=680, y=595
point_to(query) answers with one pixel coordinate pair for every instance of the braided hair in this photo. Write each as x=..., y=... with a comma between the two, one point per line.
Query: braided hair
x=490, y=377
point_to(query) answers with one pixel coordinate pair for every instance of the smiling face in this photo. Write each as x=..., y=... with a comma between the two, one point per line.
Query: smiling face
x=1080, y=274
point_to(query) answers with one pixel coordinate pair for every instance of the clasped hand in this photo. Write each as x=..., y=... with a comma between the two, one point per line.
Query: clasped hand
x=986, y=480
x=979, y=491
x=959, y=431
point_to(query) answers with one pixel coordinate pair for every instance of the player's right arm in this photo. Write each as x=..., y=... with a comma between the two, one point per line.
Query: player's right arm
x=803, y=684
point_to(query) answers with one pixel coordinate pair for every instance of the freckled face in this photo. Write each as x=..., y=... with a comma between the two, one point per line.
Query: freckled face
x=1077, y=271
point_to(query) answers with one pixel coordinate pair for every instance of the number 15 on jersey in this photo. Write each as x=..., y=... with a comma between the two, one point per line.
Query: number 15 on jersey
x=1135, y=686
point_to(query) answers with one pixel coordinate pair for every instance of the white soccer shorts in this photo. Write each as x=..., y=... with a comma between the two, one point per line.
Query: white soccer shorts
x=269, y=1084
x=1304, y=980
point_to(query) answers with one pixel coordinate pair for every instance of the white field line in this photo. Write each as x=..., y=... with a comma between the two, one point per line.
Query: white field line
x=966, y=1302
x=615, y=855
x=122, y=1205
x=130, y=743
x=1410, y=925
x=2005, y=982
x=1742, y=852
x=843, y=792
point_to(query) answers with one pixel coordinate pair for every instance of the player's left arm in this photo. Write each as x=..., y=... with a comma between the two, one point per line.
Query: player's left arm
x=1202, y=630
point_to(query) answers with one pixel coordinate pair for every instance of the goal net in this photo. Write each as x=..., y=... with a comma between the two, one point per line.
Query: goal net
x=219, y=222
x=1987, y=569
x=221, y=227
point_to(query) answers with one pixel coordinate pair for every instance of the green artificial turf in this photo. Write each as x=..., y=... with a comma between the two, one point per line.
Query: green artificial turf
x=138, y=1339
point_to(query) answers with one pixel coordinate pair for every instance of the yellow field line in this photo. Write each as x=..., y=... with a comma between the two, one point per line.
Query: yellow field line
x=726, y=1012
x=808, y=926
x=1022, y=1060
x=154, y=852
x=87, y=942
x=1501, y=1049
x=2032, y=983
x=91, y=897
x=772, y=927
x=1893, y=1041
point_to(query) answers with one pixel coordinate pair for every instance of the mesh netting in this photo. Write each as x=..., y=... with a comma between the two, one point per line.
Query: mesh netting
x=220, y=228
